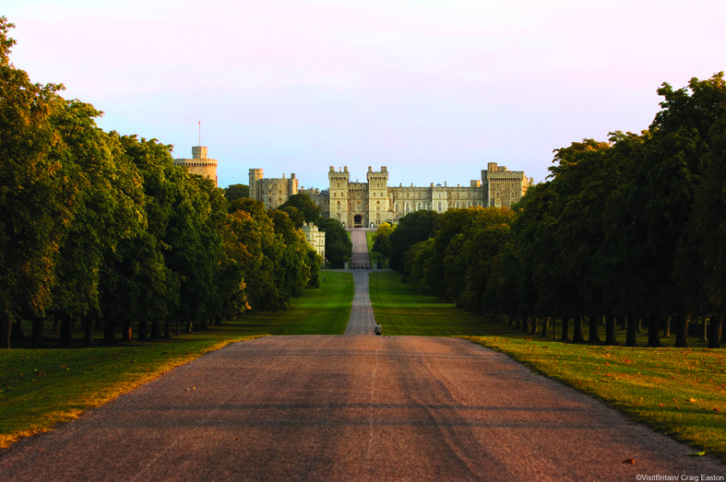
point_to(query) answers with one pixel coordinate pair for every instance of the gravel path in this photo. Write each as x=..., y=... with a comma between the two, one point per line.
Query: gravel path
x=351, y=408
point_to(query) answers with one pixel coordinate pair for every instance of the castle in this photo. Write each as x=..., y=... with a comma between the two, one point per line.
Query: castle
x=368, y=204
x=200, y=164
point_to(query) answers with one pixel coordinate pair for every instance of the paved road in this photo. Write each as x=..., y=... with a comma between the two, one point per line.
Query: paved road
x=361, y=321
x=351, y=408
x=359, y=256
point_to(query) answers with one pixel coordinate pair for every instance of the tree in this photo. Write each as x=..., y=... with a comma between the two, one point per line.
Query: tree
x=36, y=193
x=338, y=247
x=382, y=241
x=412, y=228
x=236, y=191
x=305, y=205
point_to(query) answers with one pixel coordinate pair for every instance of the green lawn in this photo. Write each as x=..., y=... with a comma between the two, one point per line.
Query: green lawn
x=678, y=392
x=41, y=388
x=402, y=311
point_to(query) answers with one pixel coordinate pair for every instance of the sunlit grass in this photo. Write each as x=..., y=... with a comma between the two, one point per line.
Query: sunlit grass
x=678, y=392
x=41, y=388
x=402, y=311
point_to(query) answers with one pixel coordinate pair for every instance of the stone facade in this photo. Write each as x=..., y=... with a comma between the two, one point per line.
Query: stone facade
x=358, y=204
x=200, y=164
x=316, y=239
x=272, y=192
x=504, y=187
x=368, y=204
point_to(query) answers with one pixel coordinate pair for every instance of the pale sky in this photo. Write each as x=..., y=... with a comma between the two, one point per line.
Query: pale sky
x=432, y=89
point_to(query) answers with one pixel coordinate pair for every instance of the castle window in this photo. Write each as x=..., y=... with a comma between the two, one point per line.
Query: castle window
x=378, y=205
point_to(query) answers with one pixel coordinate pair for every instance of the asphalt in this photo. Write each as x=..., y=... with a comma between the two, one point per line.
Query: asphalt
x=348, y=408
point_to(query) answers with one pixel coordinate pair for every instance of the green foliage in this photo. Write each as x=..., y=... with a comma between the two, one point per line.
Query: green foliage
x=382, y=241
x=412, y=228
x=629, y=228
x=236, y=191
x=104, y=229
x=305, y=205
x=338, y=247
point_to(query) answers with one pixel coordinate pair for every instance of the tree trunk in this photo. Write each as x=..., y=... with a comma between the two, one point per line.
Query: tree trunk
x=545, y=326
x=525, y=324
x=667, y=328
x=594, y=336
x=534, y=326
x=142, y=330
x=66, y=328
x=654, y=330
x=155, y=329
x=109, y=331
x=681, y=331
x=631, y=327
x=37, y=335
x=610, y=330
x=565, y=328
x=5, y=330
x=578, y=336
x=716, y=331
x=127, y=333
x=88, y=330
x=704, y=328
x=518, y=323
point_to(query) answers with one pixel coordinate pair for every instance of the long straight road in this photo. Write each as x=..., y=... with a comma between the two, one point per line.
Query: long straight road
x=352, y=408
x=362, y=320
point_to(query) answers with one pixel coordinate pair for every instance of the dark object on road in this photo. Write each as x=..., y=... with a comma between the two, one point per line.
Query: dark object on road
x=379, y=330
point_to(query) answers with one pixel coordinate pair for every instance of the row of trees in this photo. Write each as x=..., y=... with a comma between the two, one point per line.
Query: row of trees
x=99, y=229
x=633, y=229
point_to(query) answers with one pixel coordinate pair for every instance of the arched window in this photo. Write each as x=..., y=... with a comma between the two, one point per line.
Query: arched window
x=378, y=205
x=418, y=206
x=440, y=207
x=338, y=205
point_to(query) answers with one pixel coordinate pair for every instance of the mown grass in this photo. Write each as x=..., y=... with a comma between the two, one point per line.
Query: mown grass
x=678, y=392
x=40, y=388
x=402, y=311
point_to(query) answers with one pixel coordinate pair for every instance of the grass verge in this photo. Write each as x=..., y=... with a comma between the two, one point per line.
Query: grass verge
x=677, y=392
x=40, y=388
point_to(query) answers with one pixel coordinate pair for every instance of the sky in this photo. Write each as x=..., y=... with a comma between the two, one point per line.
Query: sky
x=432, y=89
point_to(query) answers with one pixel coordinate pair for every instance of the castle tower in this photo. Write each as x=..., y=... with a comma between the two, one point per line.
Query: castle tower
x=338, y=192
x=255, y=191
x=200, y=164
x=503, y=187
x=378, y=202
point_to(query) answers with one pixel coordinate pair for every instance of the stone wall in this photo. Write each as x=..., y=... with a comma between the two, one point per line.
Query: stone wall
x=370, y=203
x=200, y=164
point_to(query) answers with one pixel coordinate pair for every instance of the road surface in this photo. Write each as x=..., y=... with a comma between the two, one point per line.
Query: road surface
x=351, y=408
